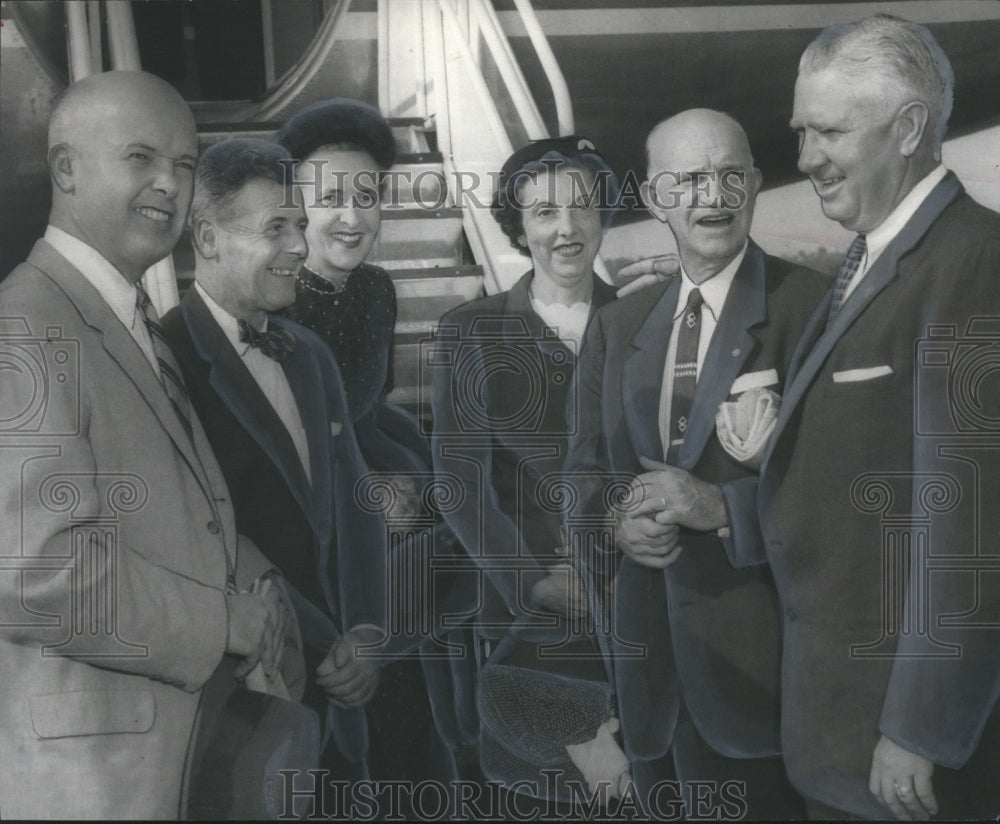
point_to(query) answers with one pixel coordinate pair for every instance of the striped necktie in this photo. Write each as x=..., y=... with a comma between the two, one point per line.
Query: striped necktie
x=170, y=374
x=848, y=268
x=685, y=374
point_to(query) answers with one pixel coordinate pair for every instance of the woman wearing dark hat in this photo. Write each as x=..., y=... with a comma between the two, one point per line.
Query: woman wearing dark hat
x=341, y=148
x=500, y=425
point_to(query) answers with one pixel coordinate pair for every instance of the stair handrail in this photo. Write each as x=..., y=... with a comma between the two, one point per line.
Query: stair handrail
x=494, y=140
x=553, y=73
x=488, y=24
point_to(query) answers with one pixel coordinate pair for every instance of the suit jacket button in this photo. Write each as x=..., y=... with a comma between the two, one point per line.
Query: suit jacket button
x=791, y=614
x=213, y=527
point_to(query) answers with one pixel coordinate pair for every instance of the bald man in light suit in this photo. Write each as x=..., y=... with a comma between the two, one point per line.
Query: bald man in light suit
x=120, y=592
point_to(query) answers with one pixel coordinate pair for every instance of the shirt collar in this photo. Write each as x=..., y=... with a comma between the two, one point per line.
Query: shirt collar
x=229, y=324
x=110, y=283
x=882, y=235
x=713, y=290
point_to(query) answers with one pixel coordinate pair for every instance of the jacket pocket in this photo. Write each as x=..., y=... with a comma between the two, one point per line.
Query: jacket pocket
x=861, y=375
x=92, y=712
x=754, y=380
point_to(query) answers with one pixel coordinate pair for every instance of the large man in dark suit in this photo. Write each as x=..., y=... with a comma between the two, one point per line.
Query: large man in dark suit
x=695, y=643
x=270, y=396
x=121, y=584
x=878, y=496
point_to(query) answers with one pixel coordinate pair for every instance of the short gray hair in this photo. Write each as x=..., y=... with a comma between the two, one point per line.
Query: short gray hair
x=902, y=56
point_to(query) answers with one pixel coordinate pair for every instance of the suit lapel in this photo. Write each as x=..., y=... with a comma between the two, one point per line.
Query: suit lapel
x=309, y=386
x=642, y=375
x=731, y=345
x=234, y=384
x=121, y=348
x=878, y=278
x=813, y=329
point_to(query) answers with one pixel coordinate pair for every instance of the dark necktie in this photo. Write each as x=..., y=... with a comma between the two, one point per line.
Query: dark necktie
x=275, y=343
x=685, y=374
x=170, y=374
x=848, y=268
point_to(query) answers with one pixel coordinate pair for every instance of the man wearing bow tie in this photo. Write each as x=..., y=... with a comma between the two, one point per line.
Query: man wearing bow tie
x=271, y=398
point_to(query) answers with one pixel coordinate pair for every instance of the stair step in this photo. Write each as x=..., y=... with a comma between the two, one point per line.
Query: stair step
x=424, y=309
x=209, y=133
x=410, y=134
x=465, y=281
x=417, y=180
x=425, y=237
x=444, y=273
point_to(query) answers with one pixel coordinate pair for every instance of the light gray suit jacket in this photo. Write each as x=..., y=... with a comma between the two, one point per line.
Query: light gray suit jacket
x=116, y=534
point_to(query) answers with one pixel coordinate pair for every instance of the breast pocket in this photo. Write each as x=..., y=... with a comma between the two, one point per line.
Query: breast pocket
x=863, y=381
x=92, y=712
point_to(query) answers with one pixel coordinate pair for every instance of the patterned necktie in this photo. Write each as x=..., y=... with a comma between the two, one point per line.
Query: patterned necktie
x=848, y=268
x=275, y=343
x=685, y=373
x=170, y=373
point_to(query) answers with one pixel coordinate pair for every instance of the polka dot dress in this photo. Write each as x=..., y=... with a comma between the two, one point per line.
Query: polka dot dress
x=357, y=320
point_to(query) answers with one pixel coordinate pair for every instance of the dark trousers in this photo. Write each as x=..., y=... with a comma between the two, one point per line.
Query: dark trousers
x=715, y=787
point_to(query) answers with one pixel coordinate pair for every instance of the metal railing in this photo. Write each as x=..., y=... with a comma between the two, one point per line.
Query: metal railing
x=557, y=81
x=472, y=132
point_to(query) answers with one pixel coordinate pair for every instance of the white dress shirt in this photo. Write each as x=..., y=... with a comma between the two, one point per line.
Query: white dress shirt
x=713, y=293
x=118, y=293
x=882, y=235
x=268, y=374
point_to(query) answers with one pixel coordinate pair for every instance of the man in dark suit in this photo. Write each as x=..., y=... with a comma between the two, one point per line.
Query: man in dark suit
x=878, y=495
x=124, y=581
x=270, y=395
x=695, y=643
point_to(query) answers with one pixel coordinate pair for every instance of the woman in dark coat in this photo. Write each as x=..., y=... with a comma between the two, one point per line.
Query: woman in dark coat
x=342, y=147
x=502, y=414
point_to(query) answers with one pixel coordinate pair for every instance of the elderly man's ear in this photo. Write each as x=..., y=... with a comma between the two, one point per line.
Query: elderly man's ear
x=910, y=126
x=62, y=164
x=204, y=238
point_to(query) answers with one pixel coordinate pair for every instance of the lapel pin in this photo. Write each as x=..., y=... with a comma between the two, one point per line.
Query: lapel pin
x=736, y=353
x=335, y=428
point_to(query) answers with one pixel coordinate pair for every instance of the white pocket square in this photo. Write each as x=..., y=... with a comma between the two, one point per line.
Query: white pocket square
x=335, y=428
x=754, y=380
x=866, y=374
